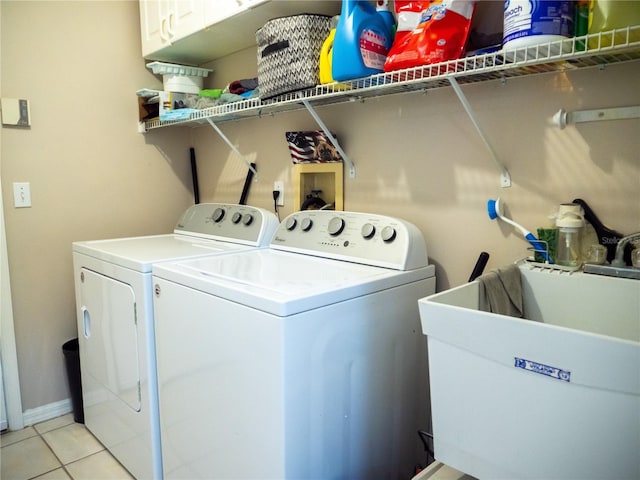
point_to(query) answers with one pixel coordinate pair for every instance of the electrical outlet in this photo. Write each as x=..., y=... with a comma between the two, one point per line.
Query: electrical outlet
x=279, y=186
x=21, y=194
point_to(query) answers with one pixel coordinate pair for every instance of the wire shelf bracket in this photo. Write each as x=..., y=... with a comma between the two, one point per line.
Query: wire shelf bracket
x=332, y=139
x=505, y=177
x=232, y=146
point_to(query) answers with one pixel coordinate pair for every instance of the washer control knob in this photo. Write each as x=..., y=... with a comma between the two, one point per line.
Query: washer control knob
x=388, y=234
x=306, y=224
x=247, y=219
x=336, y=226
x=368, y=230
x=236, y=217
x=218, y=215
x=291, y=223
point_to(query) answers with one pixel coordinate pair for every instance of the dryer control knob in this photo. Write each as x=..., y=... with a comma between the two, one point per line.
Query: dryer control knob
x=291, y=223
x=388, y=234
x=247, y=219
x=336, y=226
x=306, y=224
x=218, y=215
x=236, y=217
x=368, y=230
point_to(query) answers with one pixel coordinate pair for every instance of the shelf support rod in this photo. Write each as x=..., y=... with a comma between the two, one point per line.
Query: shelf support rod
x=562, y=118
x=505, y=178
x=332, y=139
x=232, y=146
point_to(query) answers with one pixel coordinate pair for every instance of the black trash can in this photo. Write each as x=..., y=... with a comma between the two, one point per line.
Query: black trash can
x=71, y=351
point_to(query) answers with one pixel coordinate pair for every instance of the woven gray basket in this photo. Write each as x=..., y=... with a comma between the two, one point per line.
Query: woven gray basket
x=289, y=53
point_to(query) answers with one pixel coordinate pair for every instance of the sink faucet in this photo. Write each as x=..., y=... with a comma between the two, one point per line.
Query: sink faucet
x=618, y=260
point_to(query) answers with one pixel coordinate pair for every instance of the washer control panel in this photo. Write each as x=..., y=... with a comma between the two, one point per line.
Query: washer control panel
x=229, y=222
x=353, y=236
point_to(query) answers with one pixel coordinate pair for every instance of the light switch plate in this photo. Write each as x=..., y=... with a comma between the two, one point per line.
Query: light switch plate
x=21, y=194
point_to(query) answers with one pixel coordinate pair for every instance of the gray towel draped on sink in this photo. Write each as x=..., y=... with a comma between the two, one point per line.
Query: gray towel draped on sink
x=501, y=291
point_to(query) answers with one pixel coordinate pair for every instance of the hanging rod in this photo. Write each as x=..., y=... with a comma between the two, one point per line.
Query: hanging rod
x=232, y=146
x=562, y=118
x=332, y=139
x=505, y=177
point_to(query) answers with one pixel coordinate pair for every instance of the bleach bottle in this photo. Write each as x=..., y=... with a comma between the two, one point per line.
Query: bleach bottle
x=361, y=43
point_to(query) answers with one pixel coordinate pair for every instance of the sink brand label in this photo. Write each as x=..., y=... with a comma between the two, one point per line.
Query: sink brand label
x=543, y=369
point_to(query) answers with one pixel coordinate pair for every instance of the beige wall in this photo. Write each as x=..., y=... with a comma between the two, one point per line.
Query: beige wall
x=417, y=157
x=92, y=175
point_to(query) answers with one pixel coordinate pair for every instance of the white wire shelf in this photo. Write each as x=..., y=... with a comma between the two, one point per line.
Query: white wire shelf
x=615, y=46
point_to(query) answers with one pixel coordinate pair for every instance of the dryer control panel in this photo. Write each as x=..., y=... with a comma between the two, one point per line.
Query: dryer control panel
x=228, y=222
x=353, y=236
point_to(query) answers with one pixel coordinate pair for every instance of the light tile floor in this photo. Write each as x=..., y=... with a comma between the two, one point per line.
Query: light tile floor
x=58, y=449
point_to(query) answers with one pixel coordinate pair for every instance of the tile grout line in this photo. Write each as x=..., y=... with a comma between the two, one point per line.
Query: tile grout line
x=62, y=464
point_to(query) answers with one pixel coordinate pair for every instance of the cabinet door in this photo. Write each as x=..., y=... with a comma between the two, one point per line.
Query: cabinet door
x=185, y=17
x=154, y=16
x=221, y=10
x=165, y=21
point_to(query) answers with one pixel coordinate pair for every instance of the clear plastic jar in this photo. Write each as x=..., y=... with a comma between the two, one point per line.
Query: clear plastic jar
x=570, y=223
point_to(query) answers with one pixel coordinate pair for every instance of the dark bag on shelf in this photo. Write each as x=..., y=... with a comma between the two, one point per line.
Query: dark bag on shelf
x=289, y=53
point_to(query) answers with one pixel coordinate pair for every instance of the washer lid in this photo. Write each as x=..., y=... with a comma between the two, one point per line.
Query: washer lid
x=138, y=253
x=284, y=283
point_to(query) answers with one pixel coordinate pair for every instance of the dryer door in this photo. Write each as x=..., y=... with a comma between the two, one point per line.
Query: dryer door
x=110, y=335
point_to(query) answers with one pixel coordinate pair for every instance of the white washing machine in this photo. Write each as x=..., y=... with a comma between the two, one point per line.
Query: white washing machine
x=116, y=324
x=304, y=360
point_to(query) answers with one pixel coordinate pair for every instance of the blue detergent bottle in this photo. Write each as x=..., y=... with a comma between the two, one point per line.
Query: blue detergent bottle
x=361, y=42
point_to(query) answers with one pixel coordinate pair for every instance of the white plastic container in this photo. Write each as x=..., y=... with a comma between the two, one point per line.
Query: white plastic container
x=529, y=23
x=570, y=223
x=180, y=78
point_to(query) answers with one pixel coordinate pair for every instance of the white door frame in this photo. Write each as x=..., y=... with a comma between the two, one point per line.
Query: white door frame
x=8, y=355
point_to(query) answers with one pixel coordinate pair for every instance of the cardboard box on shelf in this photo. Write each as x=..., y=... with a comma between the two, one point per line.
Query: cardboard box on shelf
x=147, y=110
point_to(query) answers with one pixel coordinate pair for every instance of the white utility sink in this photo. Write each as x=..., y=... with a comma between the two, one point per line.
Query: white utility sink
x=555, y=396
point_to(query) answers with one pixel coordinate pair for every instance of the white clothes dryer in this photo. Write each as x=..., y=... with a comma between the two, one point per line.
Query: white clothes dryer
x=116, y=323
x=304, y=360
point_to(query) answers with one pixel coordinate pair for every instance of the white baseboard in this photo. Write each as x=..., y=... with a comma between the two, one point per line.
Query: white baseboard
x=47, y=412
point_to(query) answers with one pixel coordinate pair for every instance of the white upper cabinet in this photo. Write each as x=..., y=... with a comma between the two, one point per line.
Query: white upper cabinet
x=218, y=11
x=188, y=17
x=152, y=30
x=194, y=32
x=163, y=22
